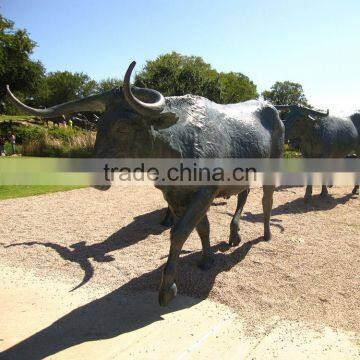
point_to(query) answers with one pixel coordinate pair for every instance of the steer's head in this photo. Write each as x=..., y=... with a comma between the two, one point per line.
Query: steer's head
x=299, y=119
x=124, y=130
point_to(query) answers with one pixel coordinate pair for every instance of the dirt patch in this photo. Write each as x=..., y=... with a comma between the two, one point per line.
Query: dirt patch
x=309, y=271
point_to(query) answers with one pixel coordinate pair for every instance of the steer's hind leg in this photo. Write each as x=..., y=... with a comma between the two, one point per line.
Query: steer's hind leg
x=235, y=237
x=194, y=213
x=203, y=229
x=324, y=191
x=308, y=194
x=267, y=202
x=356, y=187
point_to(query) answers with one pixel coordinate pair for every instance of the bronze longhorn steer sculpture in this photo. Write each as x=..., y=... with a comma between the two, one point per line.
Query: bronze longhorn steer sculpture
x=182, y=127
x=322, y=136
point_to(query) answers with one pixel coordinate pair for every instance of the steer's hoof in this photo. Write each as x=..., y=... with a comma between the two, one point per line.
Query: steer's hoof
x=267, y=236
x=166, y=295
x=102, y=187
x=206, y=263
x=356, y=191
x=235, y=239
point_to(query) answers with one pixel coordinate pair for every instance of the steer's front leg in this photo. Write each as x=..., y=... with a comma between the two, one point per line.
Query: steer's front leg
x=203, y=229
x=194, y=213
x=168, y=219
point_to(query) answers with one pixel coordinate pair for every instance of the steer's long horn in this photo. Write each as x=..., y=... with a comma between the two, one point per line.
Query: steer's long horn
x=90, y=103
x=304, y=108
x=147, y=109
x=315, y=112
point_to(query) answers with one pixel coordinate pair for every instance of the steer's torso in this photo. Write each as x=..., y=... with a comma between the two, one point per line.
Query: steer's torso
x=331, y=137
x=208, y=130
x=204, y=129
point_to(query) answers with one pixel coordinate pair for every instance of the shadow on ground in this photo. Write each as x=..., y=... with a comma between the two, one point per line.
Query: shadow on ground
x=80, y=253
x=297, y=206
x=127, y=308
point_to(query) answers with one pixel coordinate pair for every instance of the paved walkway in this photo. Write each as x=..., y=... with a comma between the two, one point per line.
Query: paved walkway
x=41, y=318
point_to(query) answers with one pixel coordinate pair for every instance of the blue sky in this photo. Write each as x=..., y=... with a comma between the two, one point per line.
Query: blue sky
x=315, y=43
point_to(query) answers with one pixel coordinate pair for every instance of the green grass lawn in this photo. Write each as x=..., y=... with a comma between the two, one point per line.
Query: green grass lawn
x=15, y=117
x=16, y=191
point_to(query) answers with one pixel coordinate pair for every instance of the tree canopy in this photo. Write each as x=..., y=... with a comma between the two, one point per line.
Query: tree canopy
x=286, y=93
x=175, y=74
x=16, y=67
x=236, y=87
x=62, y=86
x=108, y=84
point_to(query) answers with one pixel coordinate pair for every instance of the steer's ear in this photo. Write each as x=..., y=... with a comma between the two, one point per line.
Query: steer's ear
x=311, y=118
x=165, y=120
x=314, y=120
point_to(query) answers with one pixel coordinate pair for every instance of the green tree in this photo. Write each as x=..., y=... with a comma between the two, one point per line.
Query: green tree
x=286, y=93
x=175, y=74
x=236, y=87
x=108, y=84
x=16, y=68
x=62, y=86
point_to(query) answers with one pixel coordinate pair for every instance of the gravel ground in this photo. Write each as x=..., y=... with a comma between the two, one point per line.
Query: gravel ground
x=309, y=271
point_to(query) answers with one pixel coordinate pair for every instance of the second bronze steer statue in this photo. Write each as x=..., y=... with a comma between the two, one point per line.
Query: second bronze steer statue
x=322, y=136
x=182, y=127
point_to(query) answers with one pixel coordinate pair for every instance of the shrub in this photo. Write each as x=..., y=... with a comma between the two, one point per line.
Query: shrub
x=37, y=140
x=23, y=132
x=291, y=153
x=61, y=142
x=26, y=133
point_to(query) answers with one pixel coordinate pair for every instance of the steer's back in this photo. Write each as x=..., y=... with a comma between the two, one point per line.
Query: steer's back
x=251, y=129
